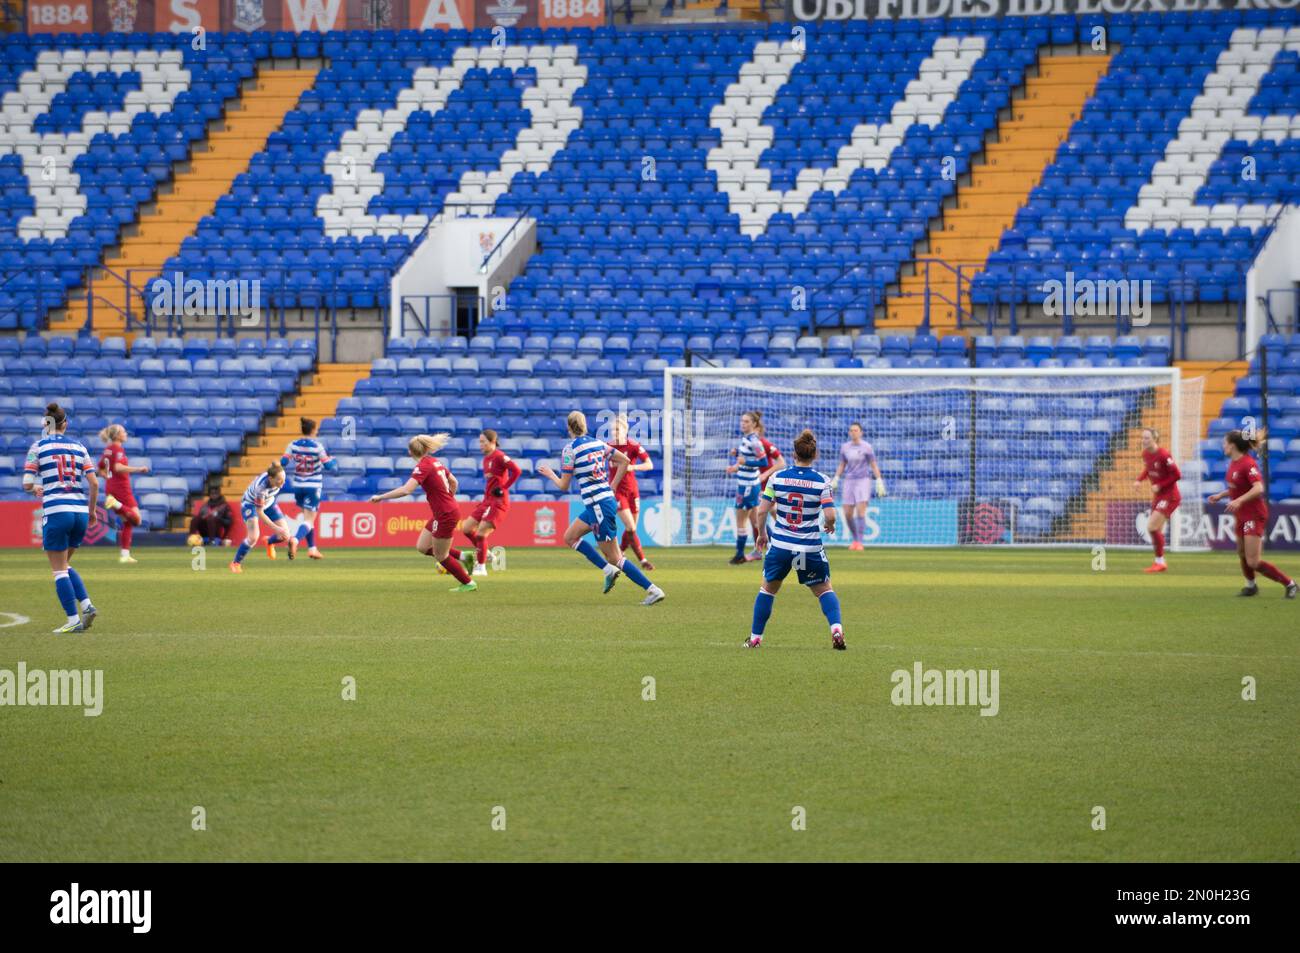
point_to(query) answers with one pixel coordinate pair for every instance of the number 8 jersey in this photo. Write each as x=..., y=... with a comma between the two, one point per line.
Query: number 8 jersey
x=800, y=494
x=60, y=462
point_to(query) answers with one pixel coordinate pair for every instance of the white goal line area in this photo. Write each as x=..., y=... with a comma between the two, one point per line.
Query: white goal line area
x=968, y=456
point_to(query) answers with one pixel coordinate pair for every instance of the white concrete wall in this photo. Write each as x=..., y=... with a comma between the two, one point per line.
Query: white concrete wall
x=1276, y=266
x=450, y=257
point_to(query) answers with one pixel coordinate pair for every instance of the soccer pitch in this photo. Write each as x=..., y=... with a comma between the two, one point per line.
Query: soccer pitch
x=527, y=703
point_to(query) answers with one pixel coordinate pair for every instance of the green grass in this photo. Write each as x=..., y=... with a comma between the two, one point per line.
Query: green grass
x=1117, y=689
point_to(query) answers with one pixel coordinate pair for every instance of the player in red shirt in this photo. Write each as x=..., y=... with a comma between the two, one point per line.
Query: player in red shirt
x=439, y=487
x=774, y=462
x=627, y=495
x=1159, y=467
x=1248, y=504
x=117, y=472
x=500, y=474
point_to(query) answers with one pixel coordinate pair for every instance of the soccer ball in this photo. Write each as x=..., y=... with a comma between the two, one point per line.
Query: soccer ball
x=195, y=539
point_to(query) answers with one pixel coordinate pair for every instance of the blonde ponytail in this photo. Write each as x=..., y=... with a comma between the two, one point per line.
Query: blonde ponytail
x=423, y=444
x=113, y=433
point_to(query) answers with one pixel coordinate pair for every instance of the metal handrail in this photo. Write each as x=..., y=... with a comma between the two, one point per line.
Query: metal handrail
x=435, y=219
x=482, y=268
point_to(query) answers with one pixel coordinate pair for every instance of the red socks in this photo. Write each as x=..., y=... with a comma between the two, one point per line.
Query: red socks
x=1158, y=541
x=452, y=553
x=631, y=539
x=124, y=535
x=480, y=547
x=1246, y=570
x=453, y=566
x=1269, y=571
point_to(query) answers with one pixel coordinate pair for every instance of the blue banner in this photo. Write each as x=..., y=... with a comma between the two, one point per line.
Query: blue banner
x=889, y=523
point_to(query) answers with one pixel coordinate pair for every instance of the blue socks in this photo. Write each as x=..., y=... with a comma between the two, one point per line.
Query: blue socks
x=311, y=538
x=307, y=533
x=302, y=532
x=242, y=551
x=594, y=557
x=741, y=539
x=763, y=602
x=78, y=587
x=830, y=604
x=633, y=572
x=67, y=595
x=762, y=611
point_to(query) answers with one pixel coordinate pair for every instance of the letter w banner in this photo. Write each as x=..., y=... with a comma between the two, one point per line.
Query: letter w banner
x=298, y=16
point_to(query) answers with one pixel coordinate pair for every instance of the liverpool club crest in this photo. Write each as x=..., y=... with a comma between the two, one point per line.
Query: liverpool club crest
x=544, y=523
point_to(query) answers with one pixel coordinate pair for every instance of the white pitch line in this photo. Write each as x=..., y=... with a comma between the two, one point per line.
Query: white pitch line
x=15, y=619
x=1049, y=650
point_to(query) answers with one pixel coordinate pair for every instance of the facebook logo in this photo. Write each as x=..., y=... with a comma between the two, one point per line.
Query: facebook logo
x=330, y=525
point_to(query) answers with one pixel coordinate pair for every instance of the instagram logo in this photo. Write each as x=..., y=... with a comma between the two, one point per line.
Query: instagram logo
x=363, y=525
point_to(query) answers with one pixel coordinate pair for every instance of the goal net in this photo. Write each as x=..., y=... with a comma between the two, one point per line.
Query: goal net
x=968, y=456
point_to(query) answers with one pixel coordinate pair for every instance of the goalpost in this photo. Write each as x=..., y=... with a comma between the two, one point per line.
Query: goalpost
x=970, y=456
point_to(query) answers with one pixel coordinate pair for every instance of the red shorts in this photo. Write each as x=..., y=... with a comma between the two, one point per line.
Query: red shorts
x=1251, y=525
x=1166, y=503
x=443, y=525
x=490, y=511
x=628, y=501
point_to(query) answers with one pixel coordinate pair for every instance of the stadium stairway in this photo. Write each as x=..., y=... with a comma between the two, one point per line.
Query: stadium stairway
x=702, y=11
x=318, y=399
x=194, y=193
x=1000, y=184
x=1114, y=481
x=1220, y=384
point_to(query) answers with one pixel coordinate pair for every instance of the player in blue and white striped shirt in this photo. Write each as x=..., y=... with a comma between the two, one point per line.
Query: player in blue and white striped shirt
x=258, y=506
x=751, y=461
x=55, y=467
x=587, y=459
x=799, y=498
x=309, y=460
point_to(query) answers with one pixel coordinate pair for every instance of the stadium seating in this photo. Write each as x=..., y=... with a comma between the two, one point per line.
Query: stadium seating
x=194, y=401
x=186, y=404
x=1198, y=139
x=687, y=180
x=686, y=183
x=90, y=125
x=1278, y=356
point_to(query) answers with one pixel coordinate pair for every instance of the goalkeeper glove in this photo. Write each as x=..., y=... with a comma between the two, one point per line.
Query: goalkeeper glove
x=835, y=481
x=880, y=487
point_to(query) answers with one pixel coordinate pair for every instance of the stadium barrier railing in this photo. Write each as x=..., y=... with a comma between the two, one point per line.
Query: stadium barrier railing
x=1288, y=324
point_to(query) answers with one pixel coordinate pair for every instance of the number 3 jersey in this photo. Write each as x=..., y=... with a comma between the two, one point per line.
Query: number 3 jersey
x=60, y=463
x=800, y=494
